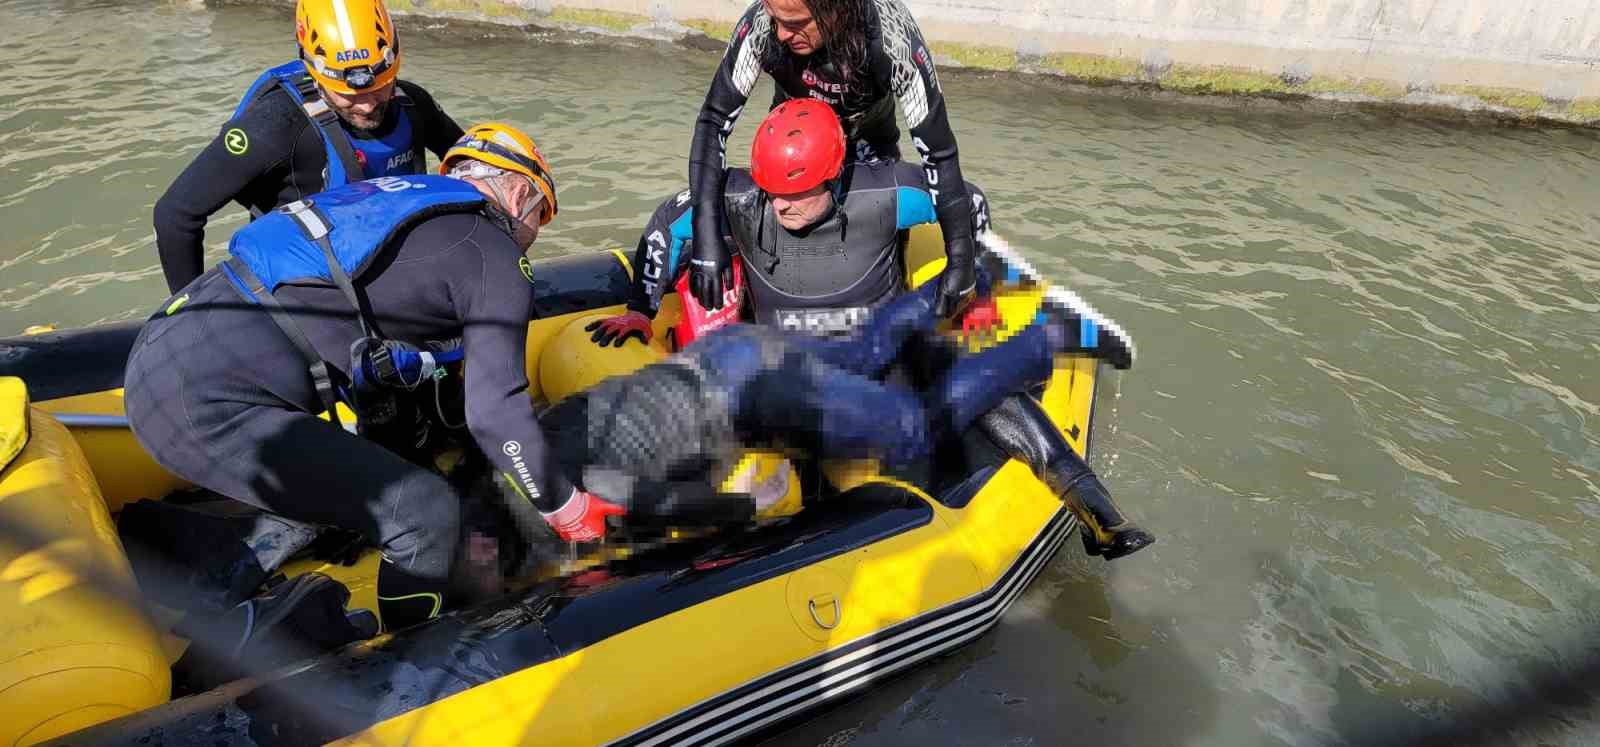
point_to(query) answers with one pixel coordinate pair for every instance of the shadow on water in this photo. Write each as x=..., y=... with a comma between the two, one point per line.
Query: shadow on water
x=1371, y=699
x=1019, y=684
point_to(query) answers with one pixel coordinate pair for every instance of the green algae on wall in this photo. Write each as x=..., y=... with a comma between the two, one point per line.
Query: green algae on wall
x=718, y=30
x=1370, y=87
x=490, y=8
x=1222, y=80
x=972, y=55
x=603, y=19
x=1584, y=110
x=1509, y=98
x=1090, y=68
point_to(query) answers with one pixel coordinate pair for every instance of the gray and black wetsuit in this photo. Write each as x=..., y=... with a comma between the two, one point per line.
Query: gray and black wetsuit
x=218, y=395
x=824, y=279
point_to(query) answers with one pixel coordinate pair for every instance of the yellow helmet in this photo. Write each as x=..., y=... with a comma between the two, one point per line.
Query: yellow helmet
x=500, y=144
x=348, y=46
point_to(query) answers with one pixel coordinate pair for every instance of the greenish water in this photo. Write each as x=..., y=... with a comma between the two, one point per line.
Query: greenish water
x=1359, y=423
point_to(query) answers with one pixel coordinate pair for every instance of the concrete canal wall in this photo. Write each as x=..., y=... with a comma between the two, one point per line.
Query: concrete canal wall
x=1516, y=59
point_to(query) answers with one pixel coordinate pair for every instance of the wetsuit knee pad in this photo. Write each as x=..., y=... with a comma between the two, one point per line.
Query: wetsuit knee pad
x=419, y=517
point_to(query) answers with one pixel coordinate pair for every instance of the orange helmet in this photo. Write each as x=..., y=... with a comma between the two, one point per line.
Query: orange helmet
x=501, y=145
x=348, y=46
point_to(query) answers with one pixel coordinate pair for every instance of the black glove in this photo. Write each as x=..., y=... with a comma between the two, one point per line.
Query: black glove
x=710, y=271
x=959, y=279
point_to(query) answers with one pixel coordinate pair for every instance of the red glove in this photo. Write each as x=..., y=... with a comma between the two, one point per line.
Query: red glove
x=983, y=315
x=618, y=329
x=583, y=517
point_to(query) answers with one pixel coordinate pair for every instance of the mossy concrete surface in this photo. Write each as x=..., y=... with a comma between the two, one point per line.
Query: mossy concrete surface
x=1088, y=68
x=598, y=19
x=719, y=30
x=492, y=9
x=1510, y=98
x=1094, y=70
x=970, y=55
x=1197, y=79
x=1585, y=110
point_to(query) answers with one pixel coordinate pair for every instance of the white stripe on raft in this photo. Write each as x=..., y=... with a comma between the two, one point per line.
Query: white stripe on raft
x=888, y=665
x=988, y=610
x=999, y=246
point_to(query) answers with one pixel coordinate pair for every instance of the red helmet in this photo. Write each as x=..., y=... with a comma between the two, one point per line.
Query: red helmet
x=798, y=146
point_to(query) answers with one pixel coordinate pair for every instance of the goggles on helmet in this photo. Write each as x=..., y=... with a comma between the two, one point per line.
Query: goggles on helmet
x=491, y=147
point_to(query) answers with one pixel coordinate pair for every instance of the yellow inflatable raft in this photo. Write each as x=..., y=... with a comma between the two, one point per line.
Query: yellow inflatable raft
x=703, y=641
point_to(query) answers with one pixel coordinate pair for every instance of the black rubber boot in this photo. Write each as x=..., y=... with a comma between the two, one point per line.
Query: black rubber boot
x=1022, y=429
x=1105, y=530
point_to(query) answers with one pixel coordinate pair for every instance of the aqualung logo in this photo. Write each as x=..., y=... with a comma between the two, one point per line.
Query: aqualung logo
x=351, y=55
x=236, y=141
x=513, y=449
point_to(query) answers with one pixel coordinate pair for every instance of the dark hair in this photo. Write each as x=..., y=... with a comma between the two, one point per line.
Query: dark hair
x=842, y=24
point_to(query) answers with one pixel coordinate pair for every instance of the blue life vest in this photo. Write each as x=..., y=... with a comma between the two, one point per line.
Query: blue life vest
x=357, y=220
x=333, y=236
x=391, y=155
x=349, y=159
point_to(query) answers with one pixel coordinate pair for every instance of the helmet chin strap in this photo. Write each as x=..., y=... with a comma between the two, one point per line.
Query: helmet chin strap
x=503, y=202
x=495, y=210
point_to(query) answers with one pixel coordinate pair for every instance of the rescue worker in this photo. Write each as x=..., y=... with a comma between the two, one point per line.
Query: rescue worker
x=321, y=302
x=860, y=57
x=820, y=239
x=338, y=114
x=821, y=246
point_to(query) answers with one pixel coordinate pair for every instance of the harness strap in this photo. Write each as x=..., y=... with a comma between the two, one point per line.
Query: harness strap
x=327, y=121
x=315, y=365
x=419, y=132
x=316, y=228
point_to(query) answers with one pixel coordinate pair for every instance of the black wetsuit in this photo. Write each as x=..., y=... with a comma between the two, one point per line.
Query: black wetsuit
x=278, y=159
x=218, y=395
x=898, y=68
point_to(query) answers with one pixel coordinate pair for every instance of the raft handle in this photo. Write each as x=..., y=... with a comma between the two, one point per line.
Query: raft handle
x=828, y=599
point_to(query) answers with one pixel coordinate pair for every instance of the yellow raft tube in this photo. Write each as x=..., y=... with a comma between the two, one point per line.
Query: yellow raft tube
x=704, y=641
